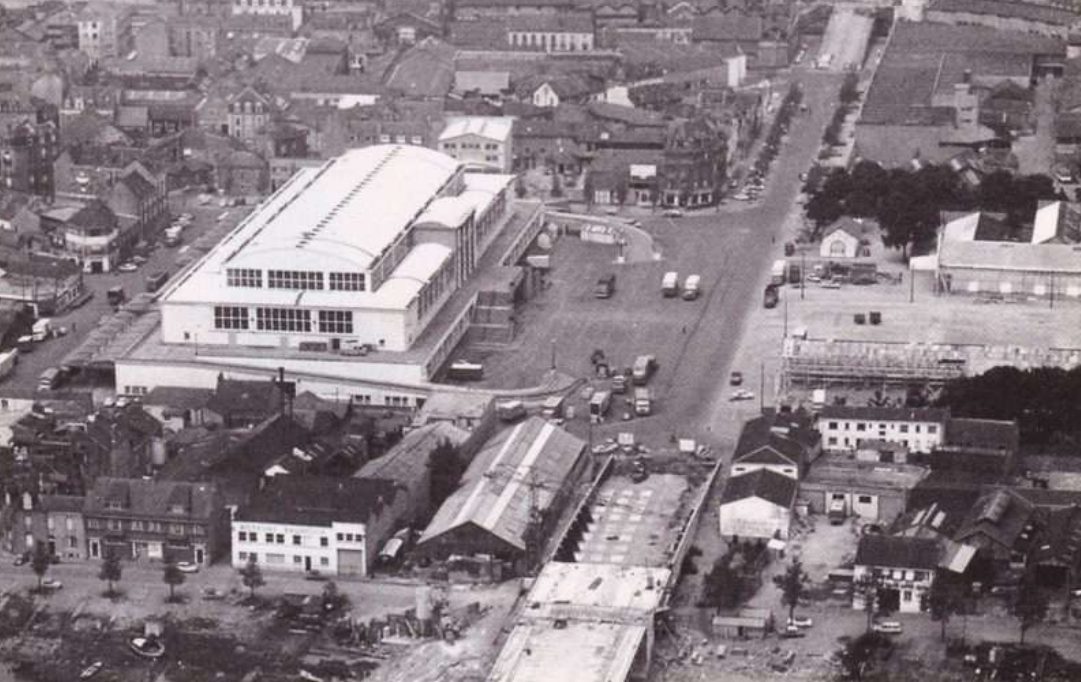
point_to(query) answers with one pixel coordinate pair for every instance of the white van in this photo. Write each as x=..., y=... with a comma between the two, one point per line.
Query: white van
x=692, y=288
x=670, y=284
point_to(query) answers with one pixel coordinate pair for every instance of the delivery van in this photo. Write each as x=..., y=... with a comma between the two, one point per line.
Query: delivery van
x=552, y=407
x=606, y=286
x=599, y=404
x=692, y=288
x=644, y=366
x=643, y=402
x=670, y=284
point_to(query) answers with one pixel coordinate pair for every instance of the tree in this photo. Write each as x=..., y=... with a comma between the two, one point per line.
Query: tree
x=857, y=654
x=173, y=577
x=447, y=466
x=867, y=588
x=1029, y=605
x=850, y=91
x=722, y=586
x=944, y=600
x=252, y=575
x=793, y=584
x=333, y=599
x=111, y=571
x=557, y=185
x=40, y=561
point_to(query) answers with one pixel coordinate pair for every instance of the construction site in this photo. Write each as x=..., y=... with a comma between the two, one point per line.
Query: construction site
x=829, y=362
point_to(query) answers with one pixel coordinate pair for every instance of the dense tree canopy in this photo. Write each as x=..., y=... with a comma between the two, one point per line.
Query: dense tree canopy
x=1046, y=402
x=907, y=203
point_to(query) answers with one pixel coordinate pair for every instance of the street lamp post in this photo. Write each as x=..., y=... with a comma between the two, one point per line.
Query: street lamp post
x=553, y=354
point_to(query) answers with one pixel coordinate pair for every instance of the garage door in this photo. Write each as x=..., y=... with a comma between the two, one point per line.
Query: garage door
x=351, y=562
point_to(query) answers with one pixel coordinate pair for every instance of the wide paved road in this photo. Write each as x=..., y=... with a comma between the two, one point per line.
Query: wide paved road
x=700, y=373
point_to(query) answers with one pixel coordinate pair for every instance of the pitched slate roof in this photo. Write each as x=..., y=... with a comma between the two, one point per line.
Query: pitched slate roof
x=885, y=414
x=153, y=498
x=1000, y=515
x=318, y=500
x=898, y=552
x=762, y=483
x=983, y=434
x=94, y=215
x=407, y=461
x=495, y=494
x=761, y=440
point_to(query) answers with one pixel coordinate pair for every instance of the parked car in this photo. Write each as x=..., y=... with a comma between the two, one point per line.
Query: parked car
x=742, y=394
x=51, y=584
x=792, y=632
x=22, y=559
x=673, y=213
x=91, y=670
x=736, y=378
x=887, y=627
x=212, y=594
x=128, y=266
x=187, y=567
x=801, y=621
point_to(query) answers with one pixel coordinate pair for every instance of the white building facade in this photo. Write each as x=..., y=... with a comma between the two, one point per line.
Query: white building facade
x=337, y=549
x=364, y=250
x=844, y=428
x=289, y=8
x=481, y=142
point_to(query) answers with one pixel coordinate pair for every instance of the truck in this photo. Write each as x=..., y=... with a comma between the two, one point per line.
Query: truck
x=643, y=402
x=7, y=362
x=644, y=366
x=552, y=407
x=115, y=296
x=156, y=280
x=605, y=287
x=621, y=380
x=771, y=298
x=510, y=410
x=49, y=379
x=42, y=329
x=692, y=288
x=460, y=370
x=777, y=272
x=172, y=235
x=836, y=512
x=599, y=404
x=670, y=284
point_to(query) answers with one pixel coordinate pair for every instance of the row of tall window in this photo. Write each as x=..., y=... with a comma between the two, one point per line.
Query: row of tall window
x=282, y=319
x=304, y=280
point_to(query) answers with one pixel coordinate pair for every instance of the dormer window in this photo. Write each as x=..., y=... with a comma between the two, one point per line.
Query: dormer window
x=177, y=509
x=114, y=505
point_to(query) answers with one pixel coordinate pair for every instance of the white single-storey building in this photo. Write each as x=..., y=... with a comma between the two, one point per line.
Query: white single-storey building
x=758, y=505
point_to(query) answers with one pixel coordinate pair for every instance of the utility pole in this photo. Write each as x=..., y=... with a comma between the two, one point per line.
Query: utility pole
x=911, y=285
x=1051, y=293
x=762, y=387
x=785, y=316
x=802, y=272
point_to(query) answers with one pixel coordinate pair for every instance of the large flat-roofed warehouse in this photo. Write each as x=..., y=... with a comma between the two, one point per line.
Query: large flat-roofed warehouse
x=365, y=251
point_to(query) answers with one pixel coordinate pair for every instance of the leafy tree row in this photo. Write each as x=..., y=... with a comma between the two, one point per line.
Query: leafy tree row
x=1045, y=402
x=907, y=202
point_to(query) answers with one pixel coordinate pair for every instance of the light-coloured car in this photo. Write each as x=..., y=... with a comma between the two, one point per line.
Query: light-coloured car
x=673, y=213
x=187, y=567
x=801, y=621
x=742, y=394
x=887, y=627
x=51, y=584
x=128, y=267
